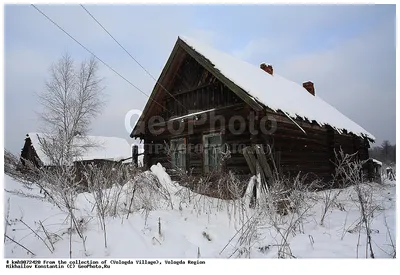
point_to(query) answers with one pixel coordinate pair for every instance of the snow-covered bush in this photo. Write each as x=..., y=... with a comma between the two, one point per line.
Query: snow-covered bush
x=149, y=194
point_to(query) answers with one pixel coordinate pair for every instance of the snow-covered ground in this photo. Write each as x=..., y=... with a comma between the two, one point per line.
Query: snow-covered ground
x=186, y=225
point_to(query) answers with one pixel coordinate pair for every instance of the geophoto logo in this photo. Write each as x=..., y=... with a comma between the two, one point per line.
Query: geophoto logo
x=185, y=125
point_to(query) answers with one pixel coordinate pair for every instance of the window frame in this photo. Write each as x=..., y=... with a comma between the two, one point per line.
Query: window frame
x=180, y=152
x=207, y=168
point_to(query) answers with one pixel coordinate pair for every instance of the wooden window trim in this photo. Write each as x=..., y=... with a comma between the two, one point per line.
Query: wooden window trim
x=179, y=140
x=206, y=166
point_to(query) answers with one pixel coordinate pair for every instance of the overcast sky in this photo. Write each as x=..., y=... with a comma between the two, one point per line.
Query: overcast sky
x=348, y=51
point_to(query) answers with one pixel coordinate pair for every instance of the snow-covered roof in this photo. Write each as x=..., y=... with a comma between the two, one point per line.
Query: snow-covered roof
x=275, y=91
x=97, y=147
x=112, y=148
x=36, y=139
x=377, y=161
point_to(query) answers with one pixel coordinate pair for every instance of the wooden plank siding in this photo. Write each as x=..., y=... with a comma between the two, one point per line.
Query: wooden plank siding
x=193, y=131
x=299, y=152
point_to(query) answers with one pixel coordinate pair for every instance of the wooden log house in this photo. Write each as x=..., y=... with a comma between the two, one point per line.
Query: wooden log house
x=207, y=102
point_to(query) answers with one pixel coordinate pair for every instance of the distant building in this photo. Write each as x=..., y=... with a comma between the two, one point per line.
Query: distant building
x=92, y=148
x=96, y=150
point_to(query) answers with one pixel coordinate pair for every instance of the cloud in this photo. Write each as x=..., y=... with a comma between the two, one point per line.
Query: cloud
x=353, y=70
x=264, y=50
x=301, y=42
x=357, y=77
x=32, y=44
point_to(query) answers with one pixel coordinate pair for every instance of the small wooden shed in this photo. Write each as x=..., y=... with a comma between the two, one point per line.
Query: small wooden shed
x=104, y=152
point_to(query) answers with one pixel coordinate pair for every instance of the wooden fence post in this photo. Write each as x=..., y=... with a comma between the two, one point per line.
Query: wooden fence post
x=135, y=154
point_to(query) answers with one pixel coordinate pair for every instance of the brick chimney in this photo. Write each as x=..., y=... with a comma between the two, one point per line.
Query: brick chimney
x=267, y=68
x=309, y=86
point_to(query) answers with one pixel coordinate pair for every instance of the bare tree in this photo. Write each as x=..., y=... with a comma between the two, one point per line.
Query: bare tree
x=72, y=99
x=385, y=152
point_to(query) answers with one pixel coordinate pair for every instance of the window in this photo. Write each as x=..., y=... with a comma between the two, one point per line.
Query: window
x=178, y=153
x=212, y=151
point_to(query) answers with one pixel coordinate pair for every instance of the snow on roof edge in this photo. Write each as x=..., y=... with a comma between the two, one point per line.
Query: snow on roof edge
x=377, y=161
